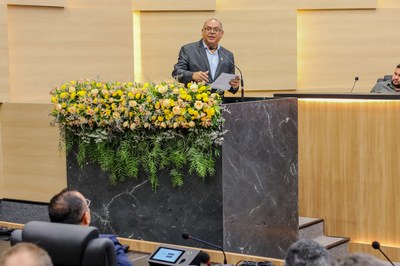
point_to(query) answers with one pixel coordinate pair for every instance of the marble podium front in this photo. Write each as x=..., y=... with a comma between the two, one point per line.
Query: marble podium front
x=249, y=206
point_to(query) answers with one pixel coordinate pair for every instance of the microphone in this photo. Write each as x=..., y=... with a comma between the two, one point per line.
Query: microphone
x=376, y=245
x=355, y=81
x=187, y=236
x=240, y=71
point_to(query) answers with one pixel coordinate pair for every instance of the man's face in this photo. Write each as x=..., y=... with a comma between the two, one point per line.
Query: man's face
x=212, y=32
x=396, y=78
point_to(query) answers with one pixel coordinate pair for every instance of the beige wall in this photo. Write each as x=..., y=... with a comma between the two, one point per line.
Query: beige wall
x=279, y=45
x=44, y=43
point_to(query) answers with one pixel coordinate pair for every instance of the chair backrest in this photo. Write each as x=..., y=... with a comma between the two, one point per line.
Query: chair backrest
x=68, y=245
x=385, y=77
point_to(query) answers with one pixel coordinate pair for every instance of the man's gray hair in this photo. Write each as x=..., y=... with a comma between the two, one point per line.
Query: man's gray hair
x=307, y=252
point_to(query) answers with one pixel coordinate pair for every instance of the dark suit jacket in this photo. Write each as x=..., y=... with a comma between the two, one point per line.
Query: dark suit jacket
x=193, y=58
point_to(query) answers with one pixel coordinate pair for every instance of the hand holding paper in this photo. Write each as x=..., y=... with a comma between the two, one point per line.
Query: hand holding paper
x=223, y=82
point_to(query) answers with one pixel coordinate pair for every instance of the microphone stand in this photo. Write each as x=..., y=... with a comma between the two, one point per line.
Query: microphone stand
x=187, y=236
x=240, y=71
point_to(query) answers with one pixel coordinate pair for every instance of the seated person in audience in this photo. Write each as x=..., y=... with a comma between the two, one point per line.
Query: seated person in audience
x=71, y=207
x=358, y=259
x=25, y=254
x=389, y=86
x=307, y=252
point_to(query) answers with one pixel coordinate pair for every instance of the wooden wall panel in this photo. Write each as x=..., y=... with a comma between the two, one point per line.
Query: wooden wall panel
x=175, y=5
x=266, y=54
x=336, y=46
x=46, y=3
x=79, y=42
x=1, y=155
x=4, y=65
x=336, y=4
x=348, y=168
x=33, y=167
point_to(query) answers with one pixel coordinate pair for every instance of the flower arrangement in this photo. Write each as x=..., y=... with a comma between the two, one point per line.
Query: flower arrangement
x=129, y=127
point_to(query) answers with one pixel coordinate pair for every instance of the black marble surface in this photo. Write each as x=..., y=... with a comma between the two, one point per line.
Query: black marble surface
x=133, y=210
x=260, y=178
x=250, y=206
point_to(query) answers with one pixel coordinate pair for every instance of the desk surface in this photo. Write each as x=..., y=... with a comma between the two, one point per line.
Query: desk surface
x=369, y=96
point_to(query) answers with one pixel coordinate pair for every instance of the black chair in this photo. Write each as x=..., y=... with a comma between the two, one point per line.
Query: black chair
x=67, y=244
x=386, y=77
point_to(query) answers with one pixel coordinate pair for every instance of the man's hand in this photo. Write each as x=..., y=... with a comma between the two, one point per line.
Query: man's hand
x=200, y=76
x=235, y=82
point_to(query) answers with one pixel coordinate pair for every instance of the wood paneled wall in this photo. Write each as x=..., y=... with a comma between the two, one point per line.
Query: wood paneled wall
x=348, y=168
x=279, y=45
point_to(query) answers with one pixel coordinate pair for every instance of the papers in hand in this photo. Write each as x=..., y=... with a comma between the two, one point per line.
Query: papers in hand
x=222, y=82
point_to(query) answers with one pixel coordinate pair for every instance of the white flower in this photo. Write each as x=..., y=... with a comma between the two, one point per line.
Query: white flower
x=194, y=87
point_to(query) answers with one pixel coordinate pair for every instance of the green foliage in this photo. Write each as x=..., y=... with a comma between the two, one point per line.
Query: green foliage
x=125, y=155
x=132, y=129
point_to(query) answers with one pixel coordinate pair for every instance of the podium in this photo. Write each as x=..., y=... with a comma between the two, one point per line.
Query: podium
x=249, y=206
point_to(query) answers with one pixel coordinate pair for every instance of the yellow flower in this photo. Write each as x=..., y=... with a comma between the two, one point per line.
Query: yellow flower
x=64, y=95
x=160, y=118
x=81, y=93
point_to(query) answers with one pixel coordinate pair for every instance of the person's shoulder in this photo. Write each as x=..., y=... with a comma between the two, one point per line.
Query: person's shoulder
x=192, y=45
x=226, y=51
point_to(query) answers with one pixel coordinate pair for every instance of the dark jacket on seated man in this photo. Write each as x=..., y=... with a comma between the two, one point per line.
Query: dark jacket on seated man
x=71, y=207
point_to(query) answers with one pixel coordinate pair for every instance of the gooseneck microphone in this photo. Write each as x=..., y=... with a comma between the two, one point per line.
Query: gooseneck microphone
x=376, y=245
x=187, y=236
x=355, y=81
x=240, y=71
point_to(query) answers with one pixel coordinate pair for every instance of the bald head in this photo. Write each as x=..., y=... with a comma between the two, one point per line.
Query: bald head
x=25, y=254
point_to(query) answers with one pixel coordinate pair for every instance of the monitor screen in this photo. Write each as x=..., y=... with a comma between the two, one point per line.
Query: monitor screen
x=167, y=254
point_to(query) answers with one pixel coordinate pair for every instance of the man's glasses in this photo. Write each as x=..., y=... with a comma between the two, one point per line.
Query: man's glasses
x=88, y=201
x=209, y=29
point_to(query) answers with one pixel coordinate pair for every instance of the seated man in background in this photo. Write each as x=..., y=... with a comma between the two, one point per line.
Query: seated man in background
x=71, y=207
x=307, y=252
x=389, y=86
x=25, y=254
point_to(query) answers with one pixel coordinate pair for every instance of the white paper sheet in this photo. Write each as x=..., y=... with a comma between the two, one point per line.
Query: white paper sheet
x=222, y=82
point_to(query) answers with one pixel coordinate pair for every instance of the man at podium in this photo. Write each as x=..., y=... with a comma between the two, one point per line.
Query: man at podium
x=206, y=60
